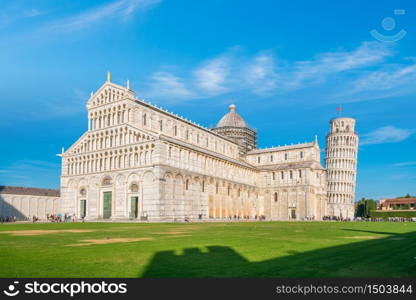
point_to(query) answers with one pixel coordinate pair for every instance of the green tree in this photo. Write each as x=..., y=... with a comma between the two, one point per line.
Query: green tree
x=364, y=206
x=406, y=206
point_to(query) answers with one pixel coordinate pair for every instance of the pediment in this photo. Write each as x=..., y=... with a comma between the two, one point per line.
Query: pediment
x=138, y=136
x=109, y=92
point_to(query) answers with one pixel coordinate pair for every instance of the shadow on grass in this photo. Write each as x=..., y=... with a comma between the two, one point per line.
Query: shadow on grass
x=369, y=231
x=393, y=256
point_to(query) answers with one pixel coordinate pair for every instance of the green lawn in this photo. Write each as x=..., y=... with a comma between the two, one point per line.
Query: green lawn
x=261, y=249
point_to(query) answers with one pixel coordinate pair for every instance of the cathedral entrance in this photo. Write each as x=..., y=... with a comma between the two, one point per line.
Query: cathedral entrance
x=107, y=199
x=83, y=209
x=134, y=207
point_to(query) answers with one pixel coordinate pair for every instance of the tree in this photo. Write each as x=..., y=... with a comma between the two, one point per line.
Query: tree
x=364, y=206
x=406, y=206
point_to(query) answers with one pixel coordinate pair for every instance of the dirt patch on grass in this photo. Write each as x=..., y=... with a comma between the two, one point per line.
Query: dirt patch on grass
x=364, y=237
x=109, y=241
x=178, y=235
x=42, y=232
x=171, y=232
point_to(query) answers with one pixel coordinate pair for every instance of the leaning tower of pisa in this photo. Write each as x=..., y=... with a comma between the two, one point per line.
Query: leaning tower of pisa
x=341, y=165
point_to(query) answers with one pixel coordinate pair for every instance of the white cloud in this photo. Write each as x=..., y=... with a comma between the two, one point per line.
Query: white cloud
x=330, y=63
x=27, y=172
x=405, y=164
x=212, y=75
x=168, y=85
x=386, y=134
x=34, y=12
x=115, y=11
x=397, y=78
x=119, y=8
x=262, y=74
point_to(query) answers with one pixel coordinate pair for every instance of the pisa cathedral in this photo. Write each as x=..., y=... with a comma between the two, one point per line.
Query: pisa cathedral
x=138, y=161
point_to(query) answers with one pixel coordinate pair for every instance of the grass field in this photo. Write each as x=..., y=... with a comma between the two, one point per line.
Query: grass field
x=261, y=249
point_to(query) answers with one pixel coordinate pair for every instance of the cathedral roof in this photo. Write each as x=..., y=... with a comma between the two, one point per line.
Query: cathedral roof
x=18, y=190
x=232, y=119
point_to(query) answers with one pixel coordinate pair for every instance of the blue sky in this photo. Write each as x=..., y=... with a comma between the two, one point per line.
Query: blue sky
x=287, y=65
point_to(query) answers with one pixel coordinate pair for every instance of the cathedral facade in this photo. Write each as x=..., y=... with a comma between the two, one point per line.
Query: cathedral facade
x=140, y=162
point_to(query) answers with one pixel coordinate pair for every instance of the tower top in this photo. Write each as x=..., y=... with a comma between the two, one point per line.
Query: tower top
x=342, y=124
x=232, y=107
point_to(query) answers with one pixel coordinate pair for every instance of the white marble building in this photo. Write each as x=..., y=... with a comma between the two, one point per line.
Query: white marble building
x=23, y=203
x=138, y=161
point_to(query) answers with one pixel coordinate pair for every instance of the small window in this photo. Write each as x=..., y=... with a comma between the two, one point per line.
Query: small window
x=228, y=190
x=275, y=197
x=107, y=181
x=300, y=173
x=291, y=174
x=274, y=175
x=83, y=192
x=301, y=154
x=258, y=159
x=161, y=125
x=175, y=130
x=144, y=119
x=271, y=158
x=187, y=184
x=203, y=186
x=282, y=175
x=187, y=134
x=216, y=188
x=134, y=188
x=285, y=156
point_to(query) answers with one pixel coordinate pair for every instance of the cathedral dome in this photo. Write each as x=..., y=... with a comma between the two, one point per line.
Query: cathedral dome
x=232, y=119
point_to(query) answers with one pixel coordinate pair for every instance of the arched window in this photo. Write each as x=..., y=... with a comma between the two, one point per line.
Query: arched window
x=175, y=130
x=187, y=184
x=290, y=174
x=107, y=181
x=275, y=197
x=134, y=188
x=144, y=119
x=285, y=156
x=161, y=125
x=83, y=192
x=203, y=186
x=274, y=175
x=301, y=154
x=300, y=173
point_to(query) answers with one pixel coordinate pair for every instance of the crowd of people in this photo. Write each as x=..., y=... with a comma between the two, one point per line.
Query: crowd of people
x=8, y=219
x=49, y=218
x=72, y=218
x=389, y=219
x=336, y=218
x=61, y=218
